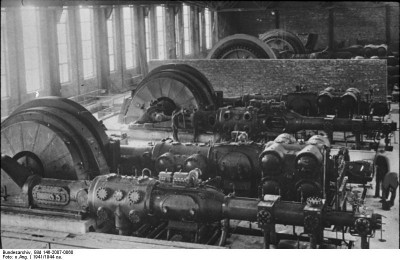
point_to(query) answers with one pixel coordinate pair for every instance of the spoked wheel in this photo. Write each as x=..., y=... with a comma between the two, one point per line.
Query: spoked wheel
x=53, y=143
x=181, y=84
x=285, y=44
x=281, y=47
x=241, y=46
x=71, y=107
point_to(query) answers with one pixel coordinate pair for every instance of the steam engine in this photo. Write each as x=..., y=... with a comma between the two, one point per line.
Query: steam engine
x=281, y=167
x=188, y=109
x=186, y=191
x=129, y=205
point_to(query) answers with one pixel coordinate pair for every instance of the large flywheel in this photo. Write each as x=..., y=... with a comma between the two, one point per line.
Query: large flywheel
x=56, y=138
x=179, y=86
x=285, y=44
x=241, y=46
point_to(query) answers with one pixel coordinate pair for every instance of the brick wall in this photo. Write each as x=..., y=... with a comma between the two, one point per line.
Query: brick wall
x=300, y=21
x=237, y=77
x=253, y=23
x=353, y=21
x=365, y=25
x=394, y=25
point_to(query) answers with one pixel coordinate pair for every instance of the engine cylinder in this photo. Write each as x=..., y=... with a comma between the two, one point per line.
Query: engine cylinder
x=325, y=99
x=271, y=159
x=308, y=162
x=349, y=100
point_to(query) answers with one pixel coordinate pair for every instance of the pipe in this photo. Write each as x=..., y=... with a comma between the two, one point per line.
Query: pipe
x=240, y=208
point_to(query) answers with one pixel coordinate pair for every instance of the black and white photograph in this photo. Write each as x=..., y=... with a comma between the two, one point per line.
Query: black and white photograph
x=130, y=125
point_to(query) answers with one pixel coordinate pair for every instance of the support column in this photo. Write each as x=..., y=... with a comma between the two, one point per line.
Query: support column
x=181, y=38
x=103, y=58
x=214, y=24
x=196, y=33
x=203, y=32
x=170, y=32
x=141, y=40
x=153, y=32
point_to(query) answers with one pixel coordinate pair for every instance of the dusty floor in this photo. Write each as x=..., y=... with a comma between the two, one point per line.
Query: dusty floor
x=391, y=220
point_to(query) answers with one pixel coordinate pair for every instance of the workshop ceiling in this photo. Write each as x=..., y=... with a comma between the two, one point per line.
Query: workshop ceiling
x=219, y=6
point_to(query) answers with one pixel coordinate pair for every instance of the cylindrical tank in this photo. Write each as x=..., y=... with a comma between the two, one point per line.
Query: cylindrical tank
x=325, y=100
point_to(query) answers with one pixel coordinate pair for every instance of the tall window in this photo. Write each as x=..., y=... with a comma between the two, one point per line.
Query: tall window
x=200, y=30
x=160, y=17
x=130, y=60
x=4, y=83
x=31, y=39
x=111, y=37
x=186, y=28
x=207, y=17
x=147, y=31
x=63, y=50
x=177, y=36
x=87, y=35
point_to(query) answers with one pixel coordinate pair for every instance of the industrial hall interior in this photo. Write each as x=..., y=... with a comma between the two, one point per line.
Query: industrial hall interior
x=199, y=124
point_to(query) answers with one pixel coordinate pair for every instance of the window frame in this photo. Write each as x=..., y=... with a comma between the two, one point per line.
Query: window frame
x=147, y=37
x=38, y=70
x=200, y=16
x=131, y=34
x=161, y=43
x=186, y=26
x=68, y=48
x=93, y=57
x=111, y=55
x=4, y=57
x=208, y=28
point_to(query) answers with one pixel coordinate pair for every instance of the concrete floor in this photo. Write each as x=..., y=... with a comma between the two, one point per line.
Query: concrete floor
x=391, y=218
